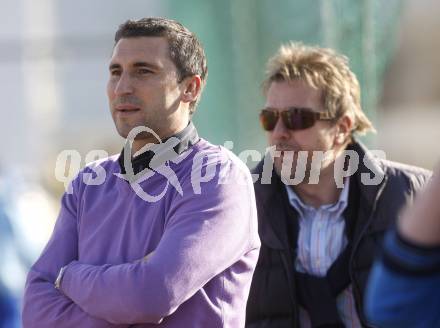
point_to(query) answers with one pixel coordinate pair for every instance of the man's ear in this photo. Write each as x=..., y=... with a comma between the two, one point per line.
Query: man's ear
x=344, y=128
x=192, y=86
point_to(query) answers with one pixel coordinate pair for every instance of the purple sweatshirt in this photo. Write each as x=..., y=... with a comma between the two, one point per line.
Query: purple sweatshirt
x=201, y=240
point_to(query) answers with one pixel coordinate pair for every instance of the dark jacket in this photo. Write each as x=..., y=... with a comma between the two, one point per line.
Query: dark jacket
x=272, y=300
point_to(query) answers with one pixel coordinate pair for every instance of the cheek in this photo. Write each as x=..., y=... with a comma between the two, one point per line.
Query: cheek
x=110, y=90
x=328, y=138
x=171, y=96
x=316, y=138
x=269, y=138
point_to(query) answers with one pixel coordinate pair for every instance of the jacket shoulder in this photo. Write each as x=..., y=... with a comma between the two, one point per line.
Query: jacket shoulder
x=416, y=176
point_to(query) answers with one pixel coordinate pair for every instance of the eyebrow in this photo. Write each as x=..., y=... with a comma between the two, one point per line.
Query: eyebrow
x=136, y=65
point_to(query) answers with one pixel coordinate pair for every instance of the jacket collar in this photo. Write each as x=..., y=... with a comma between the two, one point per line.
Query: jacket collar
x=369, y=167
x=272, y=197
x=271, y=204
x=187, y=138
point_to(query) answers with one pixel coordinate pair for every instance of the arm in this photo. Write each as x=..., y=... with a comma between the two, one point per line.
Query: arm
x=421, y=222
x=204, y=235
x=45, y=306
x=404, y=284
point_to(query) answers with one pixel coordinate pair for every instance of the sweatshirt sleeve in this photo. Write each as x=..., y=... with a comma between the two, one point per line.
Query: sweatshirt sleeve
x=45, y=306
x=404, y=285
x=206, y=232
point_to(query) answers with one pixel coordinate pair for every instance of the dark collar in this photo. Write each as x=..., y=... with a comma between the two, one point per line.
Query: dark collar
x=187, y=138
x=368, y=163
x=272, y=197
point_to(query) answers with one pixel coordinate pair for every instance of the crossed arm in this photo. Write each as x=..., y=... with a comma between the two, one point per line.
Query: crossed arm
x=45, y=306
x=203, y=237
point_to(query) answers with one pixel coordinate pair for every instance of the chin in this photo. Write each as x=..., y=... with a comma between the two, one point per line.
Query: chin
x=123, y=132
x=124, y=129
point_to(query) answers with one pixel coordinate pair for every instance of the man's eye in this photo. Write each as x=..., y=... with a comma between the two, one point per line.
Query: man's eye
x=115, y=72
x=143, y=71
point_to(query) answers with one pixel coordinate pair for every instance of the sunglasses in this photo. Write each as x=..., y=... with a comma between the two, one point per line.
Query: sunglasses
x=293, y=118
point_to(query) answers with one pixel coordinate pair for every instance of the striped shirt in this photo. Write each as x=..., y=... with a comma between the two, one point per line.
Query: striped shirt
x=321, y=240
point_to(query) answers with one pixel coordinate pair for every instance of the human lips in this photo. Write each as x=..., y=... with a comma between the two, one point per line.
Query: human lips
x=286, y=148
x=126, y=108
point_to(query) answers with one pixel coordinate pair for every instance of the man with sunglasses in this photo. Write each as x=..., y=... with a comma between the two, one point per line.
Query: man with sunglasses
x=319, y=237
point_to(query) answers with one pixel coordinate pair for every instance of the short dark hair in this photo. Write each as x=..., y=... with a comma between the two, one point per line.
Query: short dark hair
x=186, y=51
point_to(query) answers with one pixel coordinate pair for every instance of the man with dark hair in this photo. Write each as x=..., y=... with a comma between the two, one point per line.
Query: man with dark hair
x=185, y=50
x=319, y=230
x=169, y=236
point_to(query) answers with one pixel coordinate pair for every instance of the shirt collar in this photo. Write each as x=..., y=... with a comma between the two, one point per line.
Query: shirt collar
x=187, y=138
x=301, y=207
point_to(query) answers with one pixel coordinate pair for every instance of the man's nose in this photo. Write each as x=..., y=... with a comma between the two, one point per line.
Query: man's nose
x=280, y=131
x=124, y=85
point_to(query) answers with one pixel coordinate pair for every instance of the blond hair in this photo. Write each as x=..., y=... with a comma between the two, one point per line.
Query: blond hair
x=325, y=70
